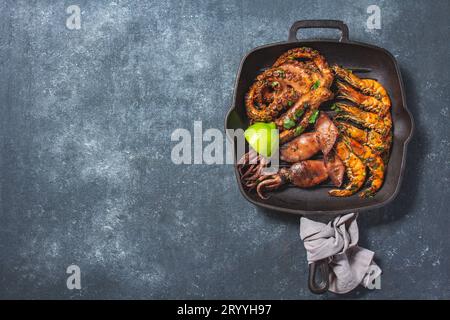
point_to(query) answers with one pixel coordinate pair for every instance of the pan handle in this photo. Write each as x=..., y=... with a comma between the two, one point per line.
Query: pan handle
x=321, y=287
x=308, y=24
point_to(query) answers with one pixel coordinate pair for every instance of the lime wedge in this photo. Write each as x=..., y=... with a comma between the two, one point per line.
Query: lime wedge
x=263, y=138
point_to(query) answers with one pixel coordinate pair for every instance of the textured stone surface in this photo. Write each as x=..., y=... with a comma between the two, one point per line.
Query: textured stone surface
x=85, y=170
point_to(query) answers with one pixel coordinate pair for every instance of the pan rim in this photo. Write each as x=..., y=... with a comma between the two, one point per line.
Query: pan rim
x=405, y=143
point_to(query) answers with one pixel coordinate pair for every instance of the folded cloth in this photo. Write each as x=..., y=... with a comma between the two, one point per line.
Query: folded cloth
x=350, y=265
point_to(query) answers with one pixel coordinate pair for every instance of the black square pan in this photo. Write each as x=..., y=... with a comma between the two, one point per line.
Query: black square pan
x=383, y=67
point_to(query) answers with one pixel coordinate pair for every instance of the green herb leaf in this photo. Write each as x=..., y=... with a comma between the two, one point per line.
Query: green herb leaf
x=274, y=84
x=315, y=85
x=290, y=103
x=314, y=116
x=299, y=130
x=288, y=123
x=299, y=113
x=280, y=73
x=335, y=108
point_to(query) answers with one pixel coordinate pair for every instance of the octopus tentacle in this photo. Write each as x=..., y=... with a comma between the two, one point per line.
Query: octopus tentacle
x=312, y=100
x=315, y=56
x=284, y=86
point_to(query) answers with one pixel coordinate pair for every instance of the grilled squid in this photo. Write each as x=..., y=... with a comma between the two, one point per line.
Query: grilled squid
x=304, y=174
x=308, y=144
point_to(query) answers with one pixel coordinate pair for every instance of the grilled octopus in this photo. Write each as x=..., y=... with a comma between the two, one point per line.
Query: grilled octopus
x=289, y=90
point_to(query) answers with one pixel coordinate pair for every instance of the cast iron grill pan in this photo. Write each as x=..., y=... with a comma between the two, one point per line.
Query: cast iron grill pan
x=366, y=60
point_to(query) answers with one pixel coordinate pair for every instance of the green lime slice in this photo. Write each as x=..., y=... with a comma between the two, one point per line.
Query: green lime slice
x=263, y=137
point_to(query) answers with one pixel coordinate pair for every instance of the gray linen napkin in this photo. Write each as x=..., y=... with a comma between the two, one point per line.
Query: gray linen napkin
x=350, y=265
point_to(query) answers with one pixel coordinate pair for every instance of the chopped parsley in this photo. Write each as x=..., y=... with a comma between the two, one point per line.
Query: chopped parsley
x=314, y=116
x=299, y=130
x=274, y=84
x=299, y=113
x=289, y=103
x=288, y=123
x=334, y=107
x=315, y=85
x=280, y=73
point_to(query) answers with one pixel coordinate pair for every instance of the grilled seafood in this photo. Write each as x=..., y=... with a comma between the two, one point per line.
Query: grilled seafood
x=308, y=53
x=367, y=103
x=251, y=167
x=302, y=174
x=268, y=97
x=367, y=86
x=369, y=120
x=355, y=169
x=335, y=168
x=379, y=144
x=289, y=85
x=308, y=144
x=314, y=99
x=372, y=161
x=371, y=97
x=308, y=101
x=359, y=137
x=301, y=148
x=327, y=133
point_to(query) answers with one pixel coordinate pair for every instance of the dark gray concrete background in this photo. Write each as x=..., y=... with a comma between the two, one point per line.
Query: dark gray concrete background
x=85, y=170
